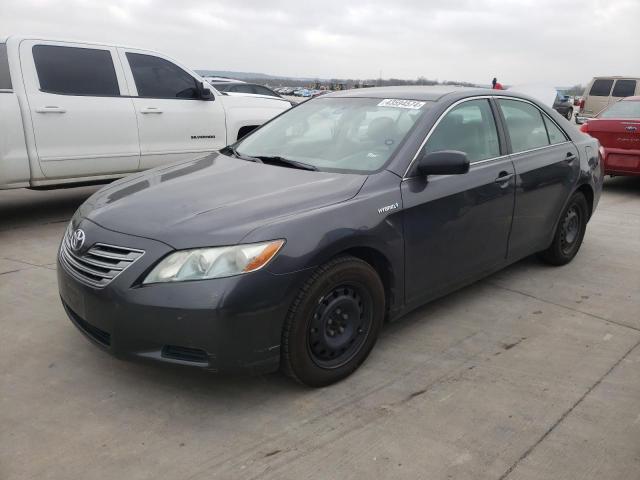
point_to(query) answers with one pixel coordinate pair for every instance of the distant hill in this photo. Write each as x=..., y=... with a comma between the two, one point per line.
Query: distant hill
x=276, y=80
x=249, y=75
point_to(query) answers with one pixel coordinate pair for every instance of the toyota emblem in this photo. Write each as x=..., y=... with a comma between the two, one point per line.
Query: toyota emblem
x=631, y=129
x=77, y=239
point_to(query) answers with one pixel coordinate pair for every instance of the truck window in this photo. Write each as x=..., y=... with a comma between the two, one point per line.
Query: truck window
x=158, y=78
x=624, y=88
x=75, y=71
x=5, y=78
x=601, y=87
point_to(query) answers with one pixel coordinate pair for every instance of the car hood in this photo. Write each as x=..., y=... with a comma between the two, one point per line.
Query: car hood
x=215, y=200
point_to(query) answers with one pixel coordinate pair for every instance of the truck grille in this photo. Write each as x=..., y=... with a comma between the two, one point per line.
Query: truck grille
x=99, y=265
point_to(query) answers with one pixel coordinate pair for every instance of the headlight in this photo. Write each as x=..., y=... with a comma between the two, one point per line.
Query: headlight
x=204, y=263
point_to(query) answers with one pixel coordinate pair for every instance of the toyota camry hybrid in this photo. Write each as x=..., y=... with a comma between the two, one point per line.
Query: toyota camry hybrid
x=290, y=248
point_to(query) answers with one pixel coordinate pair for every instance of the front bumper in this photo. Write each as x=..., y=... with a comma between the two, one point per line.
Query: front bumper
x=230, y=324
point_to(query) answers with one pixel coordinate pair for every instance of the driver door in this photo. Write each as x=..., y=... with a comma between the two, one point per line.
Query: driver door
x=456, y=227
x=173, y=122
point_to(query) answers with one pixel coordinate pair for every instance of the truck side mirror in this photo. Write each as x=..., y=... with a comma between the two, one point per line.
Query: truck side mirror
x=205, y=93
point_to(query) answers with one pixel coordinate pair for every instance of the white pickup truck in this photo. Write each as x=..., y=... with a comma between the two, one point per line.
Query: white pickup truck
x=77, y=113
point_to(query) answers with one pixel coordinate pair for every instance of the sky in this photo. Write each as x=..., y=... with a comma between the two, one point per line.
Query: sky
x=559, y=42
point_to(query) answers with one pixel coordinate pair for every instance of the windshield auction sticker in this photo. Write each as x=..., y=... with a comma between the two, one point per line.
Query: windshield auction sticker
x=400, y=103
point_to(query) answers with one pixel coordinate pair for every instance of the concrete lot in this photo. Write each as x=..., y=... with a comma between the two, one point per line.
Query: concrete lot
x=533, y=373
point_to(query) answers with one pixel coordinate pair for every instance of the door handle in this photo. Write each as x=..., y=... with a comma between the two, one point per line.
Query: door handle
x=146, y=110
x=50, y=109
x=503, y=178
x=570, y=157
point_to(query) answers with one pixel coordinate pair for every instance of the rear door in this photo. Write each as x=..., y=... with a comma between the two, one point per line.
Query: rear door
x=547, y=167
x=456, y=227
x=83, y=121
x=174, y=123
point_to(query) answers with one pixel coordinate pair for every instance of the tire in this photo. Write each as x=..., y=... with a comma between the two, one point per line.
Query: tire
x=570, y=114
x=569, y=232
x=333, y=323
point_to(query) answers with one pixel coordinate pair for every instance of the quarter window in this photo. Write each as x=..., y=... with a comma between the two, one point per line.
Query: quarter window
x=5, y=78
x=556, y=135
x=75, y=71
x=624, y=88
x=601, y=87
x=156, y=77
x=469, y=128
x=525, y=125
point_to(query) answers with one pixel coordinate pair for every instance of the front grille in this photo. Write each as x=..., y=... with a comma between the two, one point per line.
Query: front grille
x=99, y=265
x=96, y=333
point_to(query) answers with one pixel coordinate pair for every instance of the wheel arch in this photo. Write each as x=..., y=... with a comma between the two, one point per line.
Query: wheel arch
x=381, y=264
x=587, y=191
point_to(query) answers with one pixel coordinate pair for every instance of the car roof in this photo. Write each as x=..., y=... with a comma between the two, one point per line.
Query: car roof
x=46, y=38
x=412, y=92
x=422, y=93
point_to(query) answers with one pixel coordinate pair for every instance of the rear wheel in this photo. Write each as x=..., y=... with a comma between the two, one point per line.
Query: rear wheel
x=569, y=232
x=333, y=323
x=570, y=114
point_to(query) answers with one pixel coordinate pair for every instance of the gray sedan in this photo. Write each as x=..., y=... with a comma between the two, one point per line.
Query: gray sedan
x=292, y=247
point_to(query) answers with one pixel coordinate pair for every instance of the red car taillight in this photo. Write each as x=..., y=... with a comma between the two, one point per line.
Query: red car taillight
x=584, y=128
x=581, y=104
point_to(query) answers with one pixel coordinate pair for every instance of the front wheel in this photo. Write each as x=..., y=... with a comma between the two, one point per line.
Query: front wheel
x=333, y=323
x=569, y=232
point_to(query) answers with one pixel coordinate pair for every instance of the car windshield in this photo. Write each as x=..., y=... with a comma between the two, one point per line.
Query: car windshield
x=337, y=134
x=623, y=109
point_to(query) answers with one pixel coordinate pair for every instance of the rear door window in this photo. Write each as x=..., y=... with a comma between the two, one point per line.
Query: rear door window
x=624, y=88
x=5, y=78
x=469, y=128
x=556, y=135
x=525, y=125
x=75, y=71
x=601, y=87
x=156, y=77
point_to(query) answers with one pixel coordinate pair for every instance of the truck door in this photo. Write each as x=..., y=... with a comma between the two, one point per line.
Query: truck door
x=173, y=121
x=84, y=123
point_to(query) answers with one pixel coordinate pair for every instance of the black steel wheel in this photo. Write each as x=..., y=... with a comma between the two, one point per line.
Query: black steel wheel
x=569, y=232
x=333, y=323
x=340, y=325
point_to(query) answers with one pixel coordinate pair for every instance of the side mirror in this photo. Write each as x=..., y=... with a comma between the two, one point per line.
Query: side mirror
x=444, y=162
x=205, y=92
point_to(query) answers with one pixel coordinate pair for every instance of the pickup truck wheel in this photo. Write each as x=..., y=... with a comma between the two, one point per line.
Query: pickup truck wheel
x=569, y=232
x=333, y=323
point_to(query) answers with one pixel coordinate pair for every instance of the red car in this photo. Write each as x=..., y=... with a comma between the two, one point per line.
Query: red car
x=618, y=130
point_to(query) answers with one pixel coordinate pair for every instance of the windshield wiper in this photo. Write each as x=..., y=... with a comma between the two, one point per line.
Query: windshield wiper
x=237, y=154
x=286, y=162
